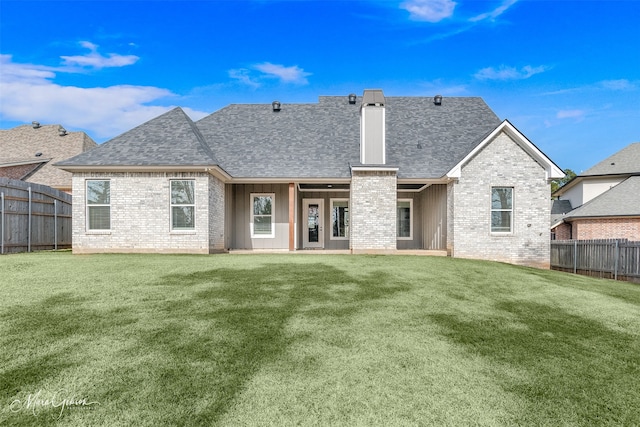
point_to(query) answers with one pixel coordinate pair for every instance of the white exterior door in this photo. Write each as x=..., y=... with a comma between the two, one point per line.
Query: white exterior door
x=313, y=221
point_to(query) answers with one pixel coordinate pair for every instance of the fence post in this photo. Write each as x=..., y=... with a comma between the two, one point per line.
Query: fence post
x=2, y=220
x=55, y=224
x=29, y=225
x=575, y=256
x=616, y=254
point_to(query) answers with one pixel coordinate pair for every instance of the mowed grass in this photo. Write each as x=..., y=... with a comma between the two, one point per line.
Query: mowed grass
x=155, y=340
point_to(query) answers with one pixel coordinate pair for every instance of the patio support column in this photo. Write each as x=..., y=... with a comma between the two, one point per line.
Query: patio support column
x=292, y=213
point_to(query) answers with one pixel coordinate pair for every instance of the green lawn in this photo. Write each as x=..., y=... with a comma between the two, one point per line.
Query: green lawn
x=152, y=340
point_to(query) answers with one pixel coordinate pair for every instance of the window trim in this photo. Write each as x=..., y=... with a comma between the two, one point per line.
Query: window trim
x=273, y=216
x=492, y=210
x=90, y=205
x=410, y=219
x=172, y=205
x=348, y=231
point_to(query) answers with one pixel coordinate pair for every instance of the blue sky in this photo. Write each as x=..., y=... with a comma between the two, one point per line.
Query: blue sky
x=565, y=73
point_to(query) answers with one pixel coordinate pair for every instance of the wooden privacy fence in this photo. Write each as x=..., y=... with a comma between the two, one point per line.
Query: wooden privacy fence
x=612, y=259
x=33, y=217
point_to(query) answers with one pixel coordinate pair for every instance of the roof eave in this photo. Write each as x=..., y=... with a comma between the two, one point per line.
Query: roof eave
x=212, y=169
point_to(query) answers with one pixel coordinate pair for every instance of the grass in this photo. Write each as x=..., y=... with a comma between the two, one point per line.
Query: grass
x=153, y=340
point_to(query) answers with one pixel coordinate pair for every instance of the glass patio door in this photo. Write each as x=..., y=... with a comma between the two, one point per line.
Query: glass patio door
x=313, y=229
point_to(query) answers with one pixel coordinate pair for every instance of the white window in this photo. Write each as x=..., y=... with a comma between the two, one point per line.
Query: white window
x=98, y=204
x=339, y=219
x=263, y=223
x=404, y=219
x=501, y=209
x=183, y=204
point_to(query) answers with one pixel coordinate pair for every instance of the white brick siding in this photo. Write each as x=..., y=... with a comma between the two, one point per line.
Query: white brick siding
x=373, y=211
x=501, y=163
x=141, y=215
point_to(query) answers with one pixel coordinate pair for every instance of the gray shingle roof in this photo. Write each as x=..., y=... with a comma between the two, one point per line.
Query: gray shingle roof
x=621, y=200
x=44, y=145
x=559, y=208
x=168, y=140
x=323, y=139
x=625, y=161
x=319, y=140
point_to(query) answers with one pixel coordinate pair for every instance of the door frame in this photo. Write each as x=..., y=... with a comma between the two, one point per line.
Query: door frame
x=305, y=229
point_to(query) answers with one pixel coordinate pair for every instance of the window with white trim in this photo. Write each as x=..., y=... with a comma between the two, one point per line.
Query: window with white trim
x=262, y=215
x=404, y=219
x=501, y=209
x=183, y=204
x=339, y=219
x=98, y=204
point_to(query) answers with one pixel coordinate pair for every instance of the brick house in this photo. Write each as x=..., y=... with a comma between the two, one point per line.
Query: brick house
x=363, y=174
x=602, y=202
x=28, y=153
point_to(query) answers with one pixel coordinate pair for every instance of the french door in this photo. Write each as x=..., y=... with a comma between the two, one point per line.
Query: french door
x=312, y=227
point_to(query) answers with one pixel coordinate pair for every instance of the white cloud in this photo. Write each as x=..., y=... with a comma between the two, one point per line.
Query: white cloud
x=509, y=73
x=29, y=93
x=571, y=114
x=506, y=4
x=255, y=75
x=429, y=10
x=622, y=84
x=293, y=74
x=96, y=60
x=243, y=75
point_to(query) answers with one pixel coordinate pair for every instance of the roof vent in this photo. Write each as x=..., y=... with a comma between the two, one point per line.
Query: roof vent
x=38, y=154
x=35, y=124
x=62, y=131
x=437, y=99
x=352, y=98
x=276, y=105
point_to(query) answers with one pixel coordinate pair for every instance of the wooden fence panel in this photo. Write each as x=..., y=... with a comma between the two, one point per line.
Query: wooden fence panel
x=33, y=217
x=612, y=259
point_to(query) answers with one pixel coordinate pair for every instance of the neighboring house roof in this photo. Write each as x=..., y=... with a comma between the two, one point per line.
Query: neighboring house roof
x=559, y=208
x=621, y=200
x=28, y=153
x=625, y=161
x=320, y=140
x=170, y=139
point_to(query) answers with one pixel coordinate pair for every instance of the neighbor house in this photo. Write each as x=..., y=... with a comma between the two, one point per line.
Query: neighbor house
x=28, y=152
x=369, y=174
x=602, y=202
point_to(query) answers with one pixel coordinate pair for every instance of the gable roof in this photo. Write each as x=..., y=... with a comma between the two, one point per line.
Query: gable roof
x=171, y=139
x=552, y=170
x=621, y=200
x=625, y=161
x=28, y=153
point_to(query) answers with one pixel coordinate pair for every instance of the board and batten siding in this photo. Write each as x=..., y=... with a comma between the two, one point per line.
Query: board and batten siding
x=434, y=212
x=239, y=217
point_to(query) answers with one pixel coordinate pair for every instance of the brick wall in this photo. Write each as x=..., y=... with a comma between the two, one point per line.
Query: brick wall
x=563, y=231
x=501, y=163
x=373, y=211
x=607, y=228
x=140, y=215
x=216, y=215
